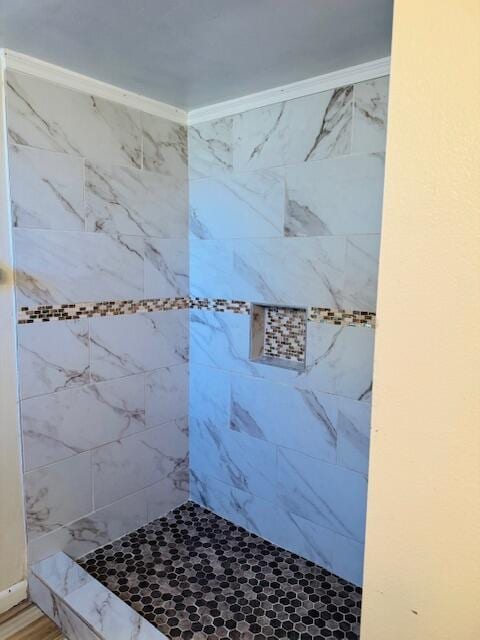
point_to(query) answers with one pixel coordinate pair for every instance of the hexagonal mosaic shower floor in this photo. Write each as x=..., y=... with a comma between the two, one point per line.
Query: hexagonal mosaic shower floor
x=197, y=576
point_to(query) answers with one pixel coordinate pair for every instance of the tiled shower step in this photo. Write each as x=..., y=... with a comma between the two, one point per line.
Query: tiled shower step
x=82, y=607
x=196, y=576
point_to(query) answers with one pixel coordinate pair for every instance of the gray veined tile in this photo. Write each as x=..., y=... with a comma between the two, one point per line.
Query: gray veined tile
x=139, y=203
x=109, y=615
x=46, y=189
x=234, y=458
x=240, y=507
x=129, y=344
x=291, y=271
x=44, y=115
x=299, y=419
x=62, y=574
x=361, y=272
x=56, y=267
x=164, y=146
x=370, y=115
x=211, y=269
x=166, y=394
x=238, y=205
x=210, y=148
x=323, y=493
x=348, y=559
x=339, y=360
x=172, y=491
x=209, y=396
x=66, y=619
x=63, y=424
x=93, y=530
x=353, y=434
x=166, y=268
x=57, y=494
x=307, y=128
x=53, y=356
x=131, y=464
x=305, y=538
x=221, y=340
x=335, y=196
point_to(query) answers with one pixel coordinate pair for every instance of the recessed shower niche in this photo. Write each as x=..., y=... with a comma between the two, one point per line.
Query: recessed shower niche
x=278, y=335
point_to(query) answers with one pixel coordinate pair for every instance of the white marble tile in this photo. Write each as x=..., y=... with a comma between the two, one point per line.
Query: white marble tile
x=370, y=115
x=361, y=272
x=211, y=269
x=56, y=267
x=164, y=146
x=348, y=559
x=240, y=507
x=46, y=189
x=299, y=419
x=130, y=464
x=305, y=538
x=353, y=429
x=221, y=340
x=110, y=616
x=166, y=394
x=167, y=494
x=293, y=271
x=335, y=196
x=238, y=205
x=339, y=360
x=62, y=574
x=57, y=494
x=66, y=423
x=139, y=203
x=326, y=494
x=94, y=530
x=129, y=344
x=52, y=356
x=210, y=148
x=166, y=268
x=307, y=128
x=233, y=458
x=209, y=396
x=71, y=625
x=44, y=115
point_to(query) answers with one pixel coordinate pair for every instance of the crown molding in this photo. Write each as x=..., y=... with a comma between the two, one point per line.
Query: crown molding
x=72, y=80
x=325, y=82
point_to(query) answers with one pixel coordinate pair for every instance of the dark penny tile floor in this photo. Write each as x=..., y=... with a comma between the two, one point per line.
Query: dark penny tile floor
x=197, y=576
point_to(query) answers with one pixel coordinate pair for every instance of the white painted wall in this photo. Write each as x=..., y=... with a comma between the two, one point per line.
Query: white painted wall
x=12, y=533
x=422, y=573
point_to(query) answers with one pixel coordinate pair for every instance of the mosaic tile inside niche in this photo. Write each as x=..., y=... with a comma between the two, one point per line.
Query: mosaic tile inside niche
x=285, y=334
x=196, y=576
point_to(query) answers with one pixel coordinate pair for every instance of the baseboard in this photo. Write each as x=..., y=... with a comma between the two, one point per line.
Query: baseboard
x=13, y=595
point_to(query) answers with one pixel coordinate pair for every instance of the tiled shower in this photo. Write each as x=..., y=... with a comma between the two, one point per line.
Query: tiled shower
x=196, y=320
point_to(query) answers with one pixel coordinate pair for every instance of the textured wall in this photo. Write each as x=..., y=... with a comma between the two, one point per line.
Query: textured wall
x=99, y=202
x=285, y=208
x=423, y=528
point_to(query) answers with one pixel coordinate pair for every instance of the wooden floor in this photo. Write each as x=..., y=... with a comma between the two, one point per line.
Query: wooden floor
x=27, y=622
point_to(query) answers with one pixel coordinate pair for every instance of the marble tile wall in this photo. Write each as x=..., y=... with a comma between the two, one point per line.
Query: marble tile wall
x=285, y=209
x=99, y=200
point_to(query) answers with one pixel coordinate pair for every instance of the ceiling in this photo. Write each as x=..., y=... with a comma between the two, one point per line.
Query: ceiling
x=192, y=53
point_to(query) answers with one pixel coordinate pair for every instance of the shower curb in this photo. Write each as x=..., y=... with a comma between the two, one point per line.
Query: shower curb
x=81, y=606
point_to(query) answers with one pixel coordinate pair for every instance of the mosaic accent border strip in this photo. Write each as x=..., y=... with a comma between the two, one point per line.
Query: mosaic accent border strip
x=221, y=305
x=334, y=316
x=74, y=311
